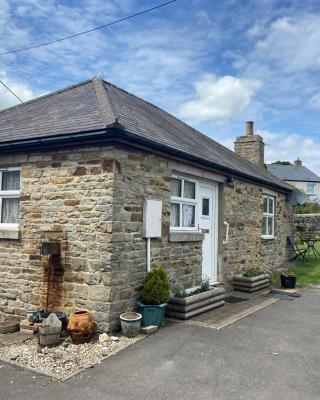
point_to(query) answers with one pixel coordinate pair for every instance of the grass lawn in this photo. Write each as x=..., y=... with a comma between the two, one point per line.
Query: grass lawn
x=307, y=271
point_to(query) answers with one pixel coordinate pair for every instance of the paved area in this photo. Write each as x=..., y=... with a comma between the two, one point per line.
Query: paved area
x=272, y=354
x=14, y=338
x=220, y=317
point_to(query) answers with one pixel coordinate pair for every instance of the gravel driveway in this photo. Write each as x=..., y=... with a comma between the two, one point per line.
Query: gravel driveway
x=272, y=354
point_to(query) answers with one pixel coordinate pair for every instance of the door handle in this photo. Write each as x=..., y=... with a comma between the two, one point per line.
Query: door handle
x=205, y=230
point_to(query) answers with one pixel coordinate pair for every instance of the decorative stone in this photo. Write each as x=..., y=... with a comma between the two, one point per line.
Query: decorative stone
x=148, y=330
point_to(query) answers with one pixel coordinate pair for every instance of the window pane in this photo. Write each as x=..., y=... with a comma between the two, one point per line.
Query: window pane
x=265, y=204
x=270, y=226
x=10, y=180
x=205, y=206
x=175, y=214
x=188, y=215
x=176, y=187
x=271, y=201
x=264, y=226
x=189, y=190
x=10, y=211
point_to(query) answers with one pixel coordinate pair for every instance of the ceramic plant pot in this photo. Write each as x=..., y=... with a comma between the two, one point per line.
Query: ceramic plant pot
x=81, y=327
x=152, y=314
x=130, y=323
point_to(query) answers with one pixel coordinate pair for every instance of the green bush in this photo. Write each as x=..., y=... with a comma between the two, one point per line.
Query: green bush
x=179, y=292
x=156, y=288
x=205, y=285
x=250, y=272
x=307, y=208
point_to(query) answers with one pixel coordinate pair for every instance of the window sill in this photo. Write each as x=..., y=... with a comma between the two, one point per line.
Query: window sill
x=268, y=237
x=184, y=236
x=13, y=234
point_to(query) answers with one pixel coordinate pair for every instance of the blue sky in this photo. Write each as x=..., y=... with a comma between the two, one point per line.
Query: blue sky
x=214, y=64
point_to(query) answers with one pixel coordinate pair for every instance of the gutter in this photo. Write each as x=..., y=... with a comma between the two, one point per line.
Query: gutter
x=116, y=133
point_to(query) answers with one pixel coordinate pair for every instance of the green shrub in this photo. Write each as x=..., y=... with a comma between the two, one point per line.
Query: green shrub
x=250, y=272
x=307, y=208
x=179, y=292
x=156, y=288
x=205, y=285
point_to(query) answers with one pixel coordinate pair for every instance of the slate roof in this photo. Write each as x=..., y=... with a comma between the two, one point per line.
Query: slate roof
x=292, y=173
x=95, y=105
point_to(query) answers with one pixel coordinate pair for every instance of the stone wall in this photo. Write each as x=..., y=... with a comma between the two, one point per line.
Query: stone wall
x=91, y=200
x=307, y=224
x=243, y=210
x=65, y=196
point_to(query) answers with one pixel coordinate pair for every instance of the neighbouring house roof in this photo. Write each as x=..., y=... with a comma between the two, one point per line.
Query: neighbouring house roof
x=98, y=109
x=292, y=173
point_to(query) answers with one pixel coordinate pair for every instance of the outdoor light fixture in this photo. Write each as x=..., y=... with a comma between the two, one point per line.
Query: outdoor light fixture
x=229, y=180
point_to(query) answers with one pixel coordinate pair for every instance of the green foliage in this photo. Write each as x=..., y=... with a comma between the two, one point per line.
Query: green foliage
x=179, y=292
x=282, y=163
x=250, y=272
x=156, y=288
x=307, y=208
x=205, y=285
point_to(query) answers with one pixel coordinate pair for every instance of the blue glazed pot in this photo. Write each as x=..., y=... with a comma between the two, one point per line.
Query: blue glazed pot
x=152, y=314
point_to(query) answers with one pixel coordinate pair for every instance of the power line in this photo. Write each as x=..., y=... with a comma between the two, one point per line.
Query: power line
x=89, y=30
x=11, y=91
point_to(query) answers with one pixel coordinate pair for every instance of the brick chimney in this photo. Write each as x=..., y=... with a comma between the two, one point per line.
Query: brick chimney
x=297, y=163
x=250, y=146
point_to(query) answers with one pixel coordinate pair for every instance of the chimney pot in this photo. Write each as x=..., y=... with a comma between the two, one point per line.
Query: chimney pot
x=249, y=128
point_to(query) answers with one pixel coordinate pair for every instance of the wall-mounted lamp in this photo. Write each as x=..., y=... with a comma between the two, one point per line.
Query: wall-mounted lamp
x=229, y=180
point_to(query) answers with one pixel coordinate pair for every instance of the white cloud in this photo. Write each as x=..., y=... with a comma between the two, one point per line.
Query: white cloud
x=220, y=97
x=22, y=90
x=293, y=43
x=287, y=147
x=314, y=102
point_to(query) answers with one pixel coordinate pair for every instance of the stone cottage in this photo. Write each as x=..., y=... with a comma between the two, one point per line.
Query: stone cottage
x=77, y=165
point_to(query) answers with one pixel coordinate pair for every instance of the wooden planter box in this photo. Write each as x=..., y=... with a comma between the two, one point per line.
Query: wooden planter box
x=187, y=307
x=245, y=284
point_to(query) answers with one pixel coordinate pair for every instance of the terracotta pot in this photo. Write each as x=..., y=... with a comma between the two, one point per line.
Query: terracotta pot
x=81, y=327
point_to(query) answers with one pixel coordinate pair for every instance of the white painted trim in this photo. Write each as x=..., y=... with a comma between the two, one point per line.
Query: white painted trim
x=270, y=192
x=181, y=168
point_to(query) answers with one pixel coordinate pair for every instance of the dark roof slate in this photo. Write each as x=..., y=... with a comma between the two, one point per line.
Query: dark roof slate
x=292, y=173
x=95, y=105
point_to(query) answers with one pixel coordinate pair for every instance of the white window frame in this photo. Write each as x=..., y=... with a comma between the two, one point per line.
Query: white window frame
x=9, y=194
x=314, y=188
x=269, y=215
x=182, y=200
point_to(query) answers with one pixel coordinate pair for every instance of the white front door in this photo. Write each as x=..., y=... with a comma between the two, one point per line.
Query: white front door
x=208, y=224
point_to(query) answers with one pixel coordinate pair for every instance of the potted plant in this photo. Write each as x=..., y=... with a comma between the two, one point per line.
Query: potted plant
x=154, y=297
x=251, y=279
x=288, y=279
x=184, y=304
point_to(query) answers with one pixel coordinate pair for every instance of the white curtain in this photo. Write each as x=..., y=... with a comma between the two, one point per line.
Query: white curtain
x=11, y=180
x=176, y=187
x=10, y=211
x=189, y=190
x=175, y=214
x=188, y=212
